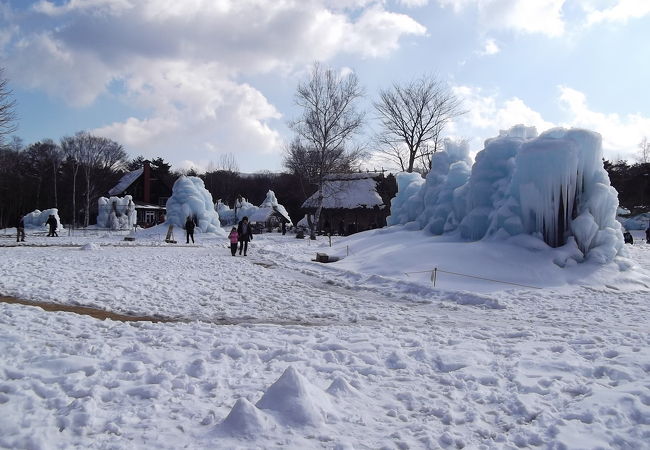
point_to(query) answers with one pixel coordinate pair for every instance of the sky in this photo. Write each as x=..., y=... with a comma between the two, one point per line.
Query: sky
x=194, y=80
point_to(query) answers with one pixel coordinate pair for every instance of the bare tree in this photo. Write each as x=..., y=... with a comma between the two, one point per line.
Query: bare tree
x=228, y=163
x=97, y=156
x=72, y=148
x=7, y=109
x=413, y=117
x=328, y=122
x=644, y=151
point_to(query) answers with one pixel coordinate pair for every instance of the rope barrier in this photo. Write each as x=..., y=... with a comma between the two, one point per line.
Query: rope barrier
x=434, y=273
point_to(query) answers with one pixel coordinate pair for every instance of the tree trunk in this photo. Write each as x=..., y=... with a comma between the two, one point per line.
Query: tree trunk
x=87, y=206
x=74, y=196
x=319, y=208
x=56, y=200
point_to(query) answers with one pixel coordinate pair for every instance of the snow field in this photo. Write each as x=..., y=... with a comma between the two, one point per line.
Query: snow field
x=384, y=362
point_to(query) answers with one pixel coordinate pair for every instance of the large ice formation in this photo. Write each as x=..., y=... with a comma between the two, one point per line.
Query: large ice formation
x=243, y=208
x=116, y=213
x=37, y=219
x=552, y=186
x=190, y=198
x=268, y=208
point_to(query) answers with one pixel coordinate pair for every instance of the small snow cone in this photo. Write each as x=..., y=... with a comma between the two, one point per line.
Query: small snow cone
x=233, y=237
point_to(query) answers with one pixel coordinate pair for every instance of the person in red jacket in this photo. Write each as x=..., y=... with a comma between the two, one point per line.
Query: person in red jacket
x=234, y=237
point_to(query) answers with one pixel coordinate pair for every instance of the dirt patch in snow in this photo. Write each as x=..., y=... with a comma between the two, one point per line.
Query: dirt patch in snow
x=86, y=311
x=103, y=315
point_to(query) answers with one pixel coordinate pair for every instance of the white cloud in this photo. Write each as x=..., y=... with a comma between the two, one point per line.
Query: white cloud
x=194, y=111
x=183, y=62
x=490, y=47
x=621, y=134
x=413, y=3
x=527, y=16
x=488, y=113
x=621, y=12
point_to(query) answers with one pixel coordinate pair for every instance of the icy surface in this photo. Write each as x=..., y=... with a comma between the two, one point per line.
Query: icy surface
x=116, y=213
x=552, y=187
x=354, y=354
x=37, y=219
x=191, y=199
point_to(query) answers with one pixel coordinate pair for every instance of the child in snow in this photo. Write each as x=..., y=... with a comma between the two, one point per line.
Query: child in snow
x=234, y=237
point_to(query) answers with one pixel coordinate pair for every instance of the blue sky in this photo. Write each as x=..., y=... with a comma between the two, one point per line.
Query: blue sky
x=195, y=79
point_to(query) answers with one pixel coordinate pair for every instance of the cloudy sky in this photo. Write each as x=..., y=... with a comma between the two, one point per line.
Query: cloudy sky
x=191, y=80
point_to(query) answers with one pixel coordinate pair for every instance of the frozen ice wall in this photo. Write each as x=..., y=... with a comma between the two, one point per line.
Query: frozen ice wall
x=407, y=205
x=116, y=213
x=226, y=215
x=552, y=186
x=37, y=219
x=271, y=202
x=243, y=208
x=190, y=198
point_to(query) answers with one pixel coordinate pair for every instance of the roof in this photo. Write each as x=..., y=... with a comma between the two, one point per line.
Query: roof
x=143, y=205
x=353, y=176
x=126, y=181
x=348, y=193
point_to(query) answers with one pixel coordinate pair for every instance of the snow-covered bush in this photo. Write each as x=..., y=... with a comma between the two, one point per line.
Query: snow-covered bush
x=116, y=213
x=190, y=198
x=552, y=186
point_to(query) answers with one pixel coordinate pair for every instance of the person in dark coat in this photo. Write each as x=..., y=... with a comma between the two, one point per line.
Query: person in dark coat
x=189, y=230
x=647, y=234
x=627, y=237
x=51, y=222
x=20, y=229
x=245, y=234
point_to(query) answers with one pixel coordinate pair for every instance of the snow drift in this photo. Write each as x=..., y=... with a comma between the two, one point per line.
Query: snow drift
x=190, y=198
x=116, y=213
x=552, y=186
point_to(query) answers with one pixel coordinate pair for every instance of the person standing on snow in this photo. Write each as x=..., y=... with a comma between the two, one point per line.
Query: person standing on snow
x=245, y=234
x=627, y=237
x=51, y=222
x=234, y=237
x=20, y=229
x=189, y=230
x=647, y=234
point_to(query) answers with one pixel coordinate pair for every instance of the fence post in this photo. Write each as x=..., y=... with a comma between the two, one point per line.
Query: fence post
x=434, y=275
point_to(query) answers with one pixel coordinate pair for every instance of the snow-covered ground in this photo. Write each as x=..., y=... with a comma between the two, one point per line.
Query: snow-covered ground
x=353, y=354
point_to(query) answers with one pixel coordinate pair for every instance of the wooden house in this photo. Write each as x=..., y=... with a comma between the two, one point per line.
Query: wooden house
x=353, y=202
x=149, y=192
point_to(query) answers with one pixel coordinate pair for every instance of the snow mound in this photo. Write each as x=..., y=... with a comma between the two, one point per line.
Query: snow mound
x=190, y=198
x=552, y=186
x=116, y=213
x=91, y=246
x=37, y=218
x=294, y=401
x=244, y=420
x=340, y=388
